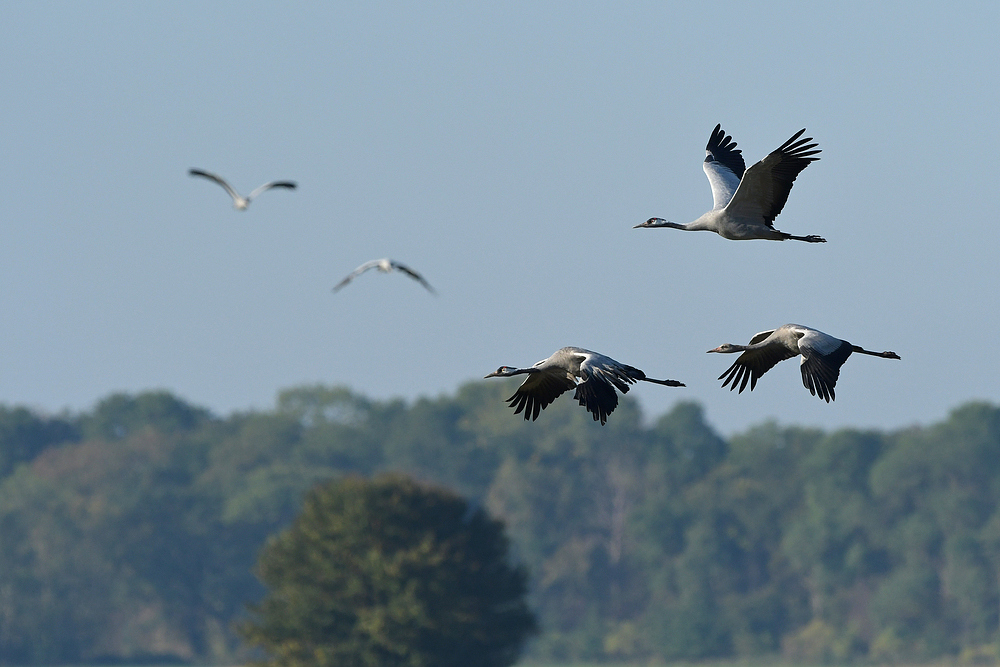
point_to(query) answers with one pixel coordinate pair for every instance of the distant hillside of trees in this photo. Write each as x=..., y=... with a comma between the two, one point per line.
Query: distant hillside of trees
x=131, y=532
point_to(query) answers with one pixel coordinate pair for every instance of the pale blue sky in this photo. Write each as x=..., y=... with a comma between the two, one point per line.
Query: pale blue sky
x=505, y=152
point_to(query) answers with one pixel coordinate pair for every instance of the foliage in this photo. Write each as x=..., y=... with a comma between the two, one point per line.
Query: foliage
x=24, y=435
x=120, y=415
x=393, y=573
x=130, y=532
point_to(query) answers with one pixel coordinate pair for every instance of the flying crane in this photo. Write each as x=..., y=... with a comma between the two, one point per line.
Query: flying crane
x=594, y=377
x=822, y=357
x=748, y=200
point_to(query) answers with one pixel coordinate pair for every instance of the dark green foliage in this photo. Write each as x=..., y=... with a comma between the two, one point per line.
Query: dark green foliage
x=120, y=415
x=131, y=532
x=24, y=435
x=390, y=573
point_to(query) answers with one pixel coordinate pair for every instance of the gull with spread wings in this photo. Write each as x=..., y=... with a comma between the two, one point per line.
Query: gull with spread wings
x=240, y=202
x=384, y=265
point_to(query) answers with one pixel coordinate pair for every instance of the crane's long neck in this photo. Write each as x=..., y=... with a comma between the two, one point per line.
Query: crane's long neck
x=705, y=222
x=673, y=225
x=729, y=348
x=510, y=372
x=885, y=355
x=698, y=225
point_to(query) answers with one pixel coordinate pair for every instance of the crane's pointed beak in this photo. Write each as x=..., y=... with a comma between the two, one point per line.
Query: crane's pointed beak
x=714, y=350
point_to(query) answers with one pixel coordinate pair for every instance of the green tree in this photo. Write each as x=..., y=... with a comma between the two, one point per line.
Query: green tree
x=389, y=572
x=340, y=429
x=24, y=435
x=120, y=415
x=830, y=542
x=937, y=491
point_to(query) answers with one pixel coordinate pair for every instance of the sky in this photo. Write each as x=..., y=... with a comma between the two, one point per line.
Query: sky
x=504, y=151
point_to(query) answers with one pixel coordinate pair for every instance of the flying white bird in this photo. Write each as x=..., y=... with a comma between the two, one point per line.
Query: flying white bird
x=593, y=375
x=240, y=203
x=748, y=200
x=385, y=265
x=822, y=357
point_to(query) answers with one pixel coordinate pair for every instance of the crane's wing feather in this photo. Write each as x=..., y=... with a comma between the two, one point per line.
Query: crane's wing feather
x=764, y=188
x=606, y=369
x=355, y=273
x=413, y=274
x=723, y=165
x=290, y=185
x=218, y=179
x=598, y=396
x=822, y=357
x=751, y=364
x=760, y=337
x=539, y=390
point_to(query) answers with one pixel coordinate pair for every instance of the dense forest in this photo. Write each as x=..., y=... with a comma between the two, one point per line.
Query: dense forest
x=131, y=532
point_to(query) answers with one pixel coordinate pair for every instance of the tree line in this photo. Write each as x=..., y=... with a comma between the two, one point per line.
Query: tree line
x=131, y=533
